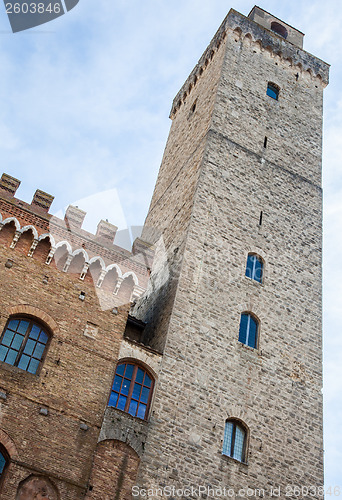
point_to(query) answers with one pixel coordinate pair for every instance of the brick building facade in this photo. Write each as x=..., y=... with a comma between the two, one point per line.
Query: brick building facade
x=214, y=376
x=78, y=288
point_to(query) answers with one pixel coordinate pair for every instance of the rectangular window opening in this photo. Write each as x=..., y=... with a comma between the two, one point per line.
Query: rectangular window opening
x=272, y=91
x=265, y=142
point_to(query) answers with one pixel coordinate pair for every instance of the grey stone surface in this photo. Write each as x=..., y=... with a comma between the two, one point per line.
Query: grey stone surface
x=215, y=179
x=121, y=426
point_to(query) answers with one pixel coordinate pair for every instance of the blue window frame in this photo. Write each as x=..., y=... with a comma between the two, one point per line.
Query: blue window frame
x=254, y=267
x=132, y=390
x=234, y=441
x=272, y=91
x=248, y=333
x=4, y=460
x=3, y=463
x=23, y=344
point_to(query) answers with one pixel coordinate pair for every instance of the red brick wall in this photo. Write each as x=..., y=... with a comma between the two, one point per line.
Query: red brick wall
x=114, y=471
x=76, y=377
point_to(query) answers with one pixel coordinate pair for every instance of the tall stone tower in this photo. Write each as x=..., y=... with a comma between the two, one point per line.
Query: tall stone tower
x=235, y=307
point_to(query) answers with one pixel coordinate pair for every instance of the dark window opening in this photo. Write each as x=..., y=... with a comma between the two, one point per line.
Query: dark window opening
x=279, y=29
x=265, y=142
x=234, y=441
x=248, y=332
x=272, y=91
x=23, y=344
x=260, y=219
x=132, y=390
x=134, y=329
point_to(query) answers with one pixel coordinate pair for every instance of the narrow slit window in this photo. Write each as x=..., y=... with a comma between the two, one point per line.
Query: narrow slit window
x=248, y=332
x=260, y=219
x=272, y=91
x=265, y=142
x=234, y=441
x=254, y=267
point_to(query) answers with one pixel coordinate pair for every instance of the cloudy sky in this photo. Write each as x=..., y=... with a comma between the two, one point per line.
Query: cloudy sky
x=84, y=110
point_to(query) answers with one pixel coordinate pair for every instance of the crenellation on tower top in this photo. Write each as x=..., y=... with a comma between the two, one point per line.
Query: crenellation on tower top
x=106, y=231
x=42, y=200
x=272, y=23
x=36, y=215
x=74, y=217
x=277, y=44
x=9, y=184
x=268, y=32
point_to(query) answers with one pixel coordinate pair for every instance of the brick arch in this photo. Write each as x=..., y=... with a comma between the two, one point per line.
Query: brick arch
x=43, y=249
x=117, y=433
x=139, y=358
x=25, y=240
x=238, y=417
x=126, y=289
x=7, y=232
x=256, y=250
x=35, y=312
x=114, y=471
x=37, y=487
x=94, y=271
x=255, y=309
x=8, y=444
x=77, y=263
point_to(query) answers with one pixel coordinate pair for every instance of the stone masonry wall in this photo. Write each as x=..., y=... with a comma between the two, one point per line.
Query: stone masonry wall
x=177, y=181
x=206, y=375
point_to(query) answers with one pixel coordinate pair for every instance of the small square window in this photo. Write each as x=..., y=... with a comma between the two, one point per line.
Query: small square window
x=272, y=91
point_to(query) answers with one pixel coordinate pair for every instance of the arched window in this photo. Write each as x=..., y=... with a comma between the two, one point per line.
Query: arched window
x=24, y=343
x=132, y=390
x=272, y=91
x=254, y=267
x=34, y=487
x=4, y=461
x=279, y=29
x=248, y=333
x=234, y=441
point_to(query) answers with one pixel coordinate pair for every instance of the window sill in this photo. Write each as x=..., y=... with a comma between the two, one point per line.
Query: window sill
x=124, y=414
x=235, y=460
x=255, y=282
x=18, y=371
x=254, y=350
